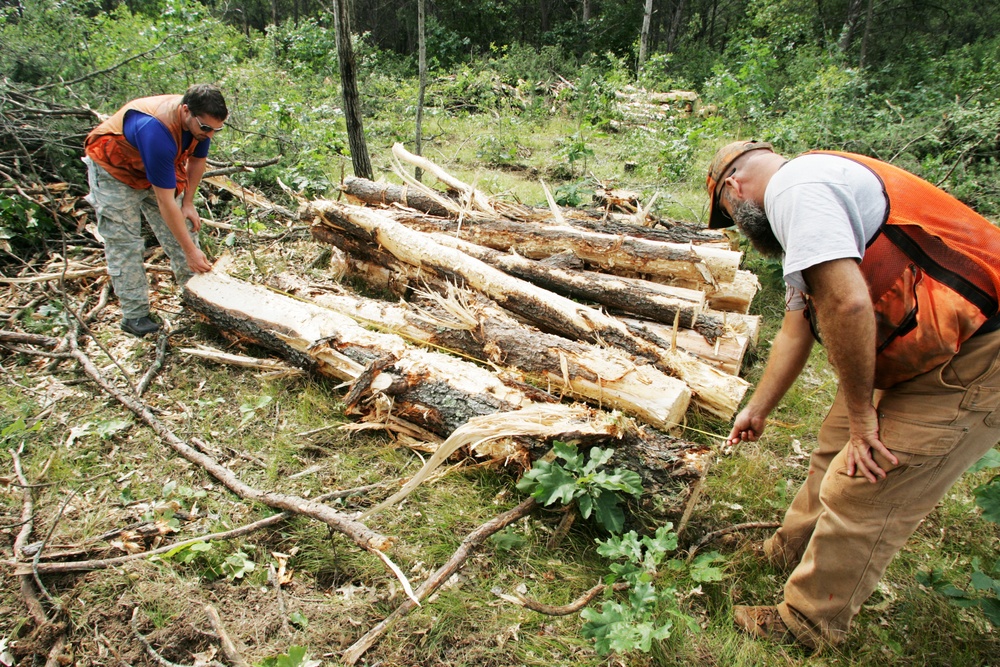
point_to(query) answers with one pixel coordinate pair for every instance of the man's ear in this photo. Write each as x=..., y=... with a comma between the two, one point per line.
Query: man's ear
x=737, y=186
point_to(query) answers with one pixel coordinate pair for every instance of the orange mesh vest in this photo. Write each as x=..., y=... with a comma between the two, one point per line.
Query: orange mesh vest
x=106, y=144
x=933, y=271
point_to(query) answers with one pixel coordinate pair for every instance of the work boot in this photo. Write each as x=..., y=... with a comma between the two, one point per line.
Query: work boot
x=140, y=326
x=763, y=623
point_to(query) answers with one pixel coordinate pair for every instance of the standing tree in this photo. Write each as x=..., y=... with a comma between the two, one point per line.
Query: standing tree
x=349, y=84
x=422, y=66
x=644, y=36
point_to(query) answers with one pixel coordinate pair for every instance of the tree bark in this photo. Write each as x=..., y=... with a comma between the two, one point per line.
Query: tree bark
x=383, y=194
x=644, y=35
x=422, y=71
x=433, y=390
x=349, y=84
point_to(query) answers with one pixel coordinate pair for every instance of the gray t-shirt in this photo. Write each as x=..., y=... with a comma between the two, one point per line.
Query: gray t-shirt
x=821, y=208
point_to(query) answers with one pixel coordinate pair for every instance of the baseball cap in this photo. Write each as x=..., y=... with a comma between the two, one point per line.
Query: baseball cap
x=717, y=174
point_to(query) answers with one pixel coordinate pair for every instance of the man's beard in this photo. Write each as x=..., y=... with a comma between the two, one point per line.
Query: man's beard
x=753, y=222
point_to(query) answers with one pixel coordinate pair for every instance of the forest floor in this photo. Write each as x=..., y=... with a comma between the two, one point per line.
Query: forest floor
x=93, y=469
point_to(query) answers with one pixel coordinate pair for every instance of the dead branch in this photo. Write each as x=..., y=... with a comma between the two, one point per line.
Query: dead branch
x=364, y=537
x=154, y=368
x=228, y=647
x=27, y=339
x=566, y=609
x=441, y=575
x=105, y=563
x=28, y=592
x=715, y=534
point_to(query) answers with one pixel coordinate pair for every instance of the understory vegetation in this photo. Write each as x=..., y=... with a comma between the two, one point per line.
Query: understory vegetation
x=568, y=107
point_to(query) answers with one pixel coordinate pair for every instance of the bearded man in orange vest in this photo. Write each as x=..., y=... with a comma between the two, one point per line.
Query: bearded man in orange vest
x=146, y=161
x=900, y=282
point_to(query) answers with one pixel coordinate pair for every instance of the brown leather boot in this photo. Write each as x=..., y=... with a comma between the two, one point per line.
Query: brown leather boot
x=763, y=623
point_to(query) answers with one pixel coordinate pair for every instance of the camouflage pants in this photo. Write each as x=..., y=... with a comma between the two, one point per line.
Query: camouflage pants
x=120, y=210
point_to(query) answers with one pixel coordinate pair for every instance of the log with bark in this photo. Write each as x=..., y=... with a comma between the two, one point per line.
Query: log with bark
x=649, y=300
x=363, y=191
x=470, y=325
x=367, y=230
x=671, y=263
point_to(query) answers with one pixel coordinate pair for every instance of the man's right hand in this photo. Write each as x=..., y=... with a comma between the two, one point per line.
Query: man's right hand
x=747, y=427
x=198, y=261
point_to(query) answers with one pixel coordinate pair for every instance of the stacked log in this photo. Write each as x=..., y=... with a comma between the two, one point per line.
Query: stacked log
x=646, y=319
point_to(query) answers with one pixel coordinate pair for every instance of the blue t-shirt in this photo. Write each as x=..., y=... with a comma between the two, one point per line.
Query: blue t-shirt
x=157, y=148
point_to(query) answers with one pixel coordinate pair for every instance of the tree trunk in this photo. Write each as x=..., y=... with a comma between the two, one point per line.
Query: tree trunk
x=713, y=390
x=854, y=9
x=472, y=326
x=644, y=35
x=422, y=70
x=349, y=83
x=675, y=26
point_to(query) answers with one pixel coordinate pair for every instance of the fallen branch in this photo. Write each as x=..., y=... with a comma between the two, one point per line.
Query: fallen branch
x=105, y=563
x=443, y=573
x=561, y=610
x=364, y=537
x=228, y=647
x=716, y=534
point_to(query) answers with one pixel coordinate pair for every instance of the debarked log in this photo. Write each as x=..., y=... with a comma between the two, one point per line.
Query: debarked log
x=434, y=390
x=713, y=390
x=471, y=325
x=695, y=266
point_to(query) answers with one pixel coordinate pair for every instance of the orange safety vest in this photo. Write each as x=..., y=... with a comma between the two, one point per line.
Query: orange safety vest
x=933, y=272
x=106, y=144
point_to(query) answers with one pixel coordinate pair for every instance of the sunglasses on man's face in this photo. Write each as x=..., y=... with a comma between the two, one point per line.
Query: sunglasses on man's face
x=208, y=128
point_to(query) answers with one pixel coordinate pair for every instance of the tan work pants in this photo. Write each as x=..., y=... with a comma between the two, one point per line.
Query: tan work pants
x=842, y=531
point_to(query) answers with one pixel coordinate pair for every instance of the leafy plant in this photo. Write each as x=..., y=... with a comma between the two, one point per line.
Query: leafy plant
x=581, y=480
x=237, y=565
x=985, y=586
x=296, y=657
x=648, y=613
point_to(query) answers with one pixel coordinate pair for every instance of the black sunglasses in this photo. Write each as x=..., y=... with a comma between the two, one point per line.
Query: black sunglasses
x=208, y=128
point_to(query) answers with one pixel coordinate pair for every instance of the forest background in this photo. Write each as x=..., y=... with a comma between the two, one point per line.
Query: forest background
x=517, y=91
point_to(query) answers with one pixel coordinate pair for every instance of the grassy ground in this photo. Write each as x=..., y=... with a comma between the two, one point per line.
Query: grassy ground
x=111, y=471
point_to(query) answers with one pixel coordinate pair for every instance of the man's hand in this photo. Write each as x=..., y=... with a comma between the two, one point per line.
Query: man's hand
x=747, y=427
x=864, y=440
x=197, y=261
x=191, y=213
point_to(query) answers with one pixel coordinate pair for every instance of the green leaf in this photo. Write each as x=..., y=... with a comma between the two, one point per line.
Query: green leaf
x=702, y=569
x=508, y=539
x=570, y=454
x=608, y=513
x=298, y=620
x=605, y=627
x=990, y=459
x=988, y=498
x=549, y=482
x=984, y=582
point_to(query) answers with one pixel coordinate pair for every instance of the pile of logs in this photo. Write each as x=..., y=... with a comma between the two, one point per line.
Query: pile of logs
x=501, y=307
